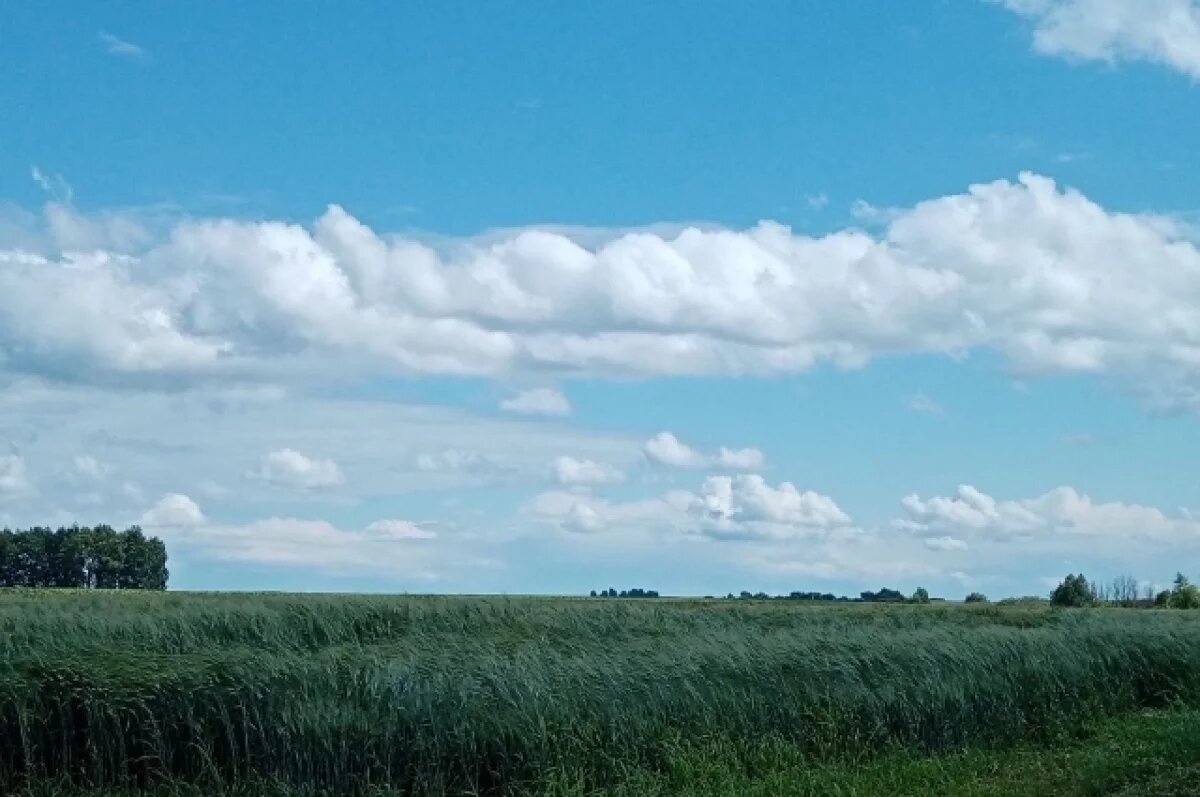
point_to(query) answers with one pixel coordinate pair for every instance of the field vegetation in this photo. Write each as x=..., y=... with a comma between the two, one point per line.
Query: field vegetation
x=266, y=693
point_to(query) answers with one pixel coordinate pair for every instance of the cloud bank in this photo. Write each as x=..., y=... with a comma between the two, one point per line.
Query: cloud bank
x=1044, y=276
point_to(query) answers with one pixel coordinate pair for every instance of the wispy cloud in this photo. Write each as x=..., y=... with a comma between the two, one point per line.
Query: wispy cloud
x=119, y=47
x=53, y=184
x=922, y=403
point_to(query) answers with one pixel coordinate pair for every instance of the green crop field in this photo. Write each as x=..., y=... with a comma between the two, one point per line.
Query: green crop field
x=175, y=693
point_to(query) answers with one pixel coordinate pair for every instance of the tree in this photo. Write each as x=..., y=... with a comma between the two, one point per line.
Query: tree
x=1075, y=591
x=921, y=595
x=84, y=558
x=976, y=597
x=1184, y=594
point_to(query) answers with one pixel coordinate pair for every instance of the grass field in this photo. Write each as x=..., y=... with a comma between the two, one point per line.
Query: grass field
x=178, y=693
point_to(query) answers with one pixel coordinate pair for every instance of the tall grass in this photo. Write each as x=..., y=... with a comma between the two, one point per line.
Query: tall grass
x=482, y=695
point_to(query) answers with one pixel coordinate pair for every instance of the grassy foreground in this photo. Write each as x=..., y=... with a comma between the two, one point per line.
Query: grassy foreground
x=278, y=694
x=1155, y=755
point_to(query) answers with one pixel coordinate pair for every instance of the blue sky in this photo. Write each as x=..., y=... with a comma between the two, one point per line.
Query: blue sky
x=544, y=297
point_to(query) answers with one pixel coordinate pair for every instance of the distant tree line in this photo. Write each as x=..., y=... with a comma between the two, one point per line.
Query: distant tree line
x=636, y=592
x=1076, y=591
x=98, y=557
x=884, y=595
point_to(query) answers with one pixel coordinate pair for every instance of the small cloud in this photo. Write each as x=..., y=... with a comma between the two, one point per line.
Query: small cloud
x=1072, y=157
x=400, y=530
x=289, y=468
x=568, y=470
x=1080, y=439
x=817, y=201
x=119, y=47
x=545, y=401
x=922, y=403
x=455, y=460
x=667, y=449
x=945, y=544
x=90, y=468
x=53, y=184
x=741, y=458
x=174, y=510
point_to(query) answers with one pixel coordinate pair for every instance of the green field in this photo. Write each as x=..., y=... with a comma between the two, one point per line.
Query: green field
x=177, y=693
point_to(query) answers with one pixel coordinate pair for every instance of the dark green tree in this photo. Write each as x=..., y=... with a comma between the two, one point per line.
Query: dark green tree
x=1075, y=591
x=82, y=558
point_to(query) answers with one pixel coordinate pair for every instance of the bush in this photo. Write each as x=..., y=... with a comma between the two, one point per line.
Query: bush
x=1184, y=595
x=920, y=596
x=976, y=597
x=1074, y=591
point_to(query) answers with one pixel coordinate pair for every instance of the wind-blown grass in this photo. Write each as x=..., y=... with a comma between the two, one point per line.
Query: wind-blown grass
x=486, y=695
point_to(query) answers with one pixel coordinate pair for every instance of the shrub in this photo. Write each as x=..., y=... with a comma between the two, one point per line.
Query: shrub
x=1075, y=591
x=976, y=597
x=1184, y=594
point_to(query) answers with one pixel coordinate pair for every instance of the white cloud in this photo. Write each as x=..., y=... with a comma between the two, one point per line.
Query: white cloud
x=89, y=467
x=14, y=477
x=741, y=458
x=173, y=510
x=945, y=544
x=457, y=460
x=538, y=401
x=395, y=548
x=922, y=403
x=1062, y=510
x=667, y=449
x=289, y=468
x=743, y=507
x=746, y=505
x=568, y=470
x=1166, y=32
x=1047, y=278
x=400, y=530
x=117, y=46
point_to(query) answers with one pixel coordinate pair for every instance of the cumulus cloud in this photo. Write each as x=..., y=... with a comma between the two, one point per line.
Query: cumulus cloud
x=742, y=507
x=289, y=468
x=1044, y=276
x=14, y=477
x=1062, y=510
x=741, y=458
x=667, y=449
x=173, y=510
x=568, y=470
x=1166, y=32
x=539, y=401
